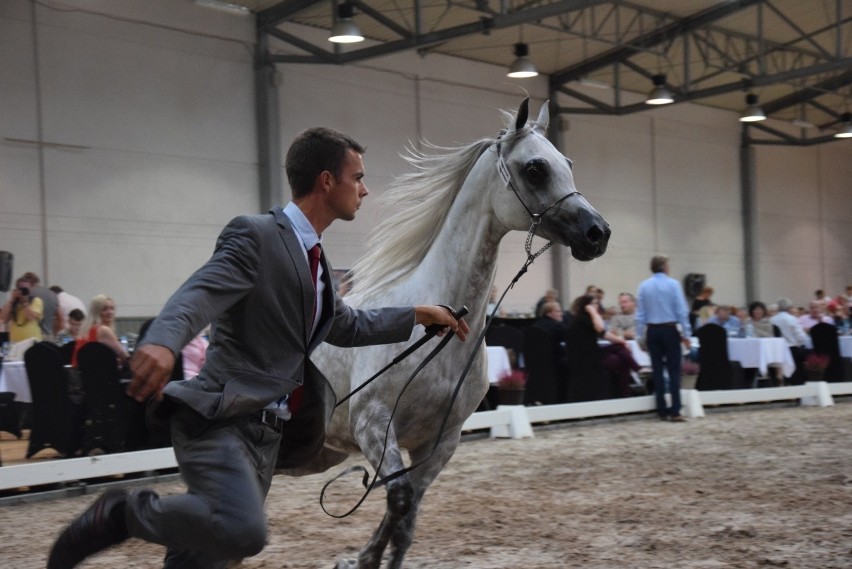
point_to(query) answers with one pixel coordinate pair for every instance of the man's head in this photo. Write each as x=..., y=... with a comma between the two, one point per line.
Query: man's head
x=784, y=305
x=815, y=308
x=315, y=151
x=75, y=321
x=659, y=264
x=723, y=312
x=552, y=310
x=627, y=303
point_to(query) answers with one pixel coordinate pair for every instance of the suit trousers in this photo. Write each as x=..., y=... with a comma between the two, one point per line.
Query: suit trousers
x=664, y=349
x=227, y=466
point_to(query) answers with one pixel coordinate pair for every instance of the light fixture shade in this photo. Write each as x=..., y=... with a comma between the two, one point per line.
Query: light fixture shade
x=344, y=29
x=753, y=112
x=522, y=67
x=845, y=130
x=659, y=95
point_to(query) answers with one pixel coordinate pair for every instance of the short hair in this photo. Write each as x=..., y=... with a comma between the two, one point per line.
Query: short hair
x=76, y=315
x=627, y=294
x=312, y=153
x=29, y=277
x=550, y=307
x=57, y=289
x=708, y=290
x=785, y=304
x=754, y=305
x=658, y=263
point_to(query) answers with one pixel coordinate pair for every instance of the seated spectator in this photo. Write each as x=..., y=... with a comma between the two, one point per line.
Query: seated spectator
x=815, y=315
x=68, y=302
x=74, y=326
x=99, y=327
x=742, y=313
x=616, y=357
x=726, y=320
x=792, y=331
x=22, y=313
x=758, y=325
x=705, y=313
x=699, y=302
x=838, y=310
x=624, y=323
x=550, y=295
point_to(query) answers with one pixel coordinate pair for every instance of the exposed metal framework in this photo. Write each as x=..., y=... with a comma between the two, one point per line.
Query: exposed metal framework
x=797, y=56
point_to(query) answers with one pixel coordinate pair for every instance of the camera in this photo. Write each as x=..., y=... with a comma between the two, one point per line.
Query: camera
x=25, y=292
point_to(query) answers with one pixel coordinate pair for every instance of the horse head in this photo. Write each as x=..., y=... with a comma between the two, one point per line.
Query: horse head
x=539, y=184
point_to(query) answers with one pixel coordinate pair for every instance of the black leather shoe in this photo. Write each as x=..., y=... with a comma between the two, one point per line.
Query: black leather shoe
x=99, y=527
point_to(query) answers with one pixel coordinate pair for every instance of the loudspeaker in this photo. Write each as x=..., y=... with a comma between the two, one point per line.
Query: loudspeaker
x=693, y=283
x=6, y=259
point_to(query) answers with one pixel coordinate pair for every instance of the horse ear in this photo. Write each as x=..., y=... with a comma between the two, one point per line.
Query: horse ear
x=523, y=114
x=544, y=116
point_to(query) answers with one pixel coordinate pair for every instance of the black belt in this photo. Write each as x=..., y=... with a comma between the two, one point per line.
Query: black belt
x=663, y=324
x=269, y=418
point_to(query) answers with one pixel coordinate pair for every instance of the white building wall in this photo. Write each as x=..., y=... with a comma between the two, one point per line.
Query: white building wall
x=147, y=119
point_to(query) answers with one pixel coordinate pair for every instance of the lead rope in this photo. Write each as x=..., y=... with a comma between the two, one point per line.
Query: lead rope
x=368, y=484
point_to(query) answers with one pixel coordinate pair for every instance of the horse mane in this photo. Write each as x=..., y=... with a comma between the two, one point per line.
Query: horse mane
x=416, y=205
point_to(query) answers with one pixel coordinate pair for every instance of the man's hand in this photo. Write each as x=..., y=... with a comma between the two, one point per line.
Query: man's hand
x=152, y=367
x=429, y=315
x=686, y=342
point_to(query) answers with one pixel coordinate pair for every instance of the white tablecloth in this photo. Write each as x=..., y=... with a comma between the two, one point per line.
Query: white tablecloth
x=642, y=358
x=14, y=378
x=760, y=352
x=498, y=363
x=845, y=346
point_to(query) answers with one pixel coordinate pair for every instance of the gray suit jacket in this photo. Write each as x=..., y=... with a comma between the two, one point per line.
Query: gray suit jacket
x=256, y=289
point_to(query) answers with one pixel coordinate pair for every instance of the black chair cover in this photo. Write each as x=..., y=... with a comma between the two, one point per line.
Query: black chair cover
x=106, y=405
x=717, y=371
x=542, y=375
x=508, y=337
x=824, y=338
x=67, y=350
x=10, y=416
x=56, y=420
x=587, y=378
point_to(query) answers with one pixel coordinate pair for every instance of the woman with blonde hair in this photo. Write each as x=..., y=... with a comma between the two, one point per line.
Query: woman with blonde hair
x=100, y=327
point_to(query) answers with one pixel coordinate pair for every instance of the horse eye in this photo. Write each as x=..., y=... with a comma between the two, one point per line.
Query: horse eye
x=536, y=171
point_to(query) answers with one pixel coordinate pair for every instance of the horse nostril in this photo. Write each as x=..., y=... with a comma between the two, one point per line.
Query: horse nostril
x=595, y=233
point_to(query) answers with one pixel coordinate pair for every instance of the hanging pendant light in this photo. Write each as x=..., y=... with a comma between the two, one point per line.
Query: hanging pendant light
x=659, y=95
x=845, y=130
x=753, y=112
x=522, y=67
x=344, y=29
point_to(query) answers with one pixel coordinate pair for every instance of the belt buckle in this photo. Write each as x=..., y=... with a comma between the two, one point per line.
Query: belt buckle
x=271, y=419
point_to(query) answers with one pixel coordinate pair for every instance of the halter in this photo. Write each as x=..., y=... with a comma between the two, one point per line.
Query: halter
x=535, y=218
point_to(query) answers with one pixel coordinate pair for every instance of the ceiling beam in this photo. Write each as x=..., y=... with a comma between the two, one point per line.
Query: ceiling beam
x=650, y=39
x=808, y=93
x=278, y=13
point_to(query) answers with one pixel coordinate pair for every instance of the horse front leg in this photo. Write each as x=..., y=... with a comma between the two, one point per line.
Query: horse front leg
x=370, y=433
x=421, y=478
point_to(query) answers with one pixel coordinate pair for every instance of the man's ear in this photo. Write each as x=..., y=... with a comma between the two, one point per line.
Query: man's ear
x=325, y=180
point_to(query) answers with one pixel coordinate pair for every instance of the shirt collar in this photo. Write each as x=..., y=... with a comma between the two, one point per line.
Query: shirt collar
x=303, y=228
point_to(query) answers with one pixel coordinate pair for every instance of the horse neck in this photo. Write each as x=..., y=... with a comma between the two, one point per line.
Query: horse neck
x=459, y=267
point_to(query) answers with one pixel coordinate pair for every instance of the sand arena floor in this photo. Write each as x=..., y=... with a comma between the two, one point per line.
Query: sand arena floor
x=753, y=487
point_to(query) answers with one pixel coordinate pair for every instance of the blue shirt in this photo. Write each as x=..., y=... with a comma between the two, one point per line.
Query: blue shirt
x=660, y=300
x=732, y=325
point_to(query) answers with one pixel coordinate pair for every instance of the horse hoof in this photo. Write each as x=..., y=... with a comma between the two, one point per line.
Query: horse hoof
x=347, y=564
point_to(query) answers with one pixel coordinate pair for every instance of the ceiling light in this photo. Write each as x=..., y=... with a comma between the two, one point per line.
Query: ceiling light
x=659, y=95
x=344, y=29
x=522, y=67
x=753, y=112
x=845, y=130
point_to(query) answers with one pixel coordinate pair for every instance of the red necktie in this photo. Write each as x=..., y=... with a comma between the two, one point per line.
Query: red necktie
x=295, y=400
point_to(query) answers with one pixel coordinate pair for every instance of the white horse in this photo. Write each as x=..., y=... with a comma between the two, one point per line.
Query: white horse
x=440, y=246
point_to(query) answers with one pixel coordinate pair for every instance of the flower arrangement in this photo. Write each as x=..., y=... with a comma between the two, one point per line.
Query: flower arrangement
x=817, y=362
x=689, y=367
x=515, y=379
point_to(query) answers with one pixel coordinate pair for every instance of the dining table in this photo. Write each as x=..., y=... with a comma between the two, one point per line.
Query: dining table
x=760, y=353
x=845, y=346
x=13, y=378
x=498, y=363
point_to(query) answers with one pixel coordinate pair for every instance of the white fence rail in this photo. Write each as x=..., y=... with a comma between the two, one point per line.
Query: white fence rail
x=513, y=421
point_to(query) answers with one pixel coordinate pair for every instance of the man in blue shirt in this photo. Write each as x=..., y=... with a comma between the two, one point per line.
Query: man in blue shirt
x=660, y=307
x=724, y=318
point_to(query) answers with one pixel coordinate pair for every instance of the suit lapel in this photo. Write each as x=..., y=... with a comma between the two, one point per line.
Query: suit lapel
x=294, y=248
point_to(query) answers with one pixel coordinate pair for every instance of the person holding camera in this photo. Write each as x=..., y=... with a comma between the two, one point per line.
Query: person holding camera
x=22, y=314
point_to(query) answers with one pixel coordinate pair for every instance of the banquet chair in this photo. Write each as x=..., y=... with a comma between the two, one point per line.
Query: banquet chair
x=824, y=338
x=105, y=405
x=587, y=379
x=510, y=338
x=10, y=416
x=717, y=370
x=542, y=377
x=67, y=350
x=56, y=420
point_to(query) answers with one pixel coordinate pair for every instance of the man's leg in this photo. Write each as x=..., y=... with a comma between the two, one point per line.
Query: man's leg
x=656, y=349
x=221, y=515
x=673, y=357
